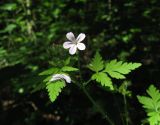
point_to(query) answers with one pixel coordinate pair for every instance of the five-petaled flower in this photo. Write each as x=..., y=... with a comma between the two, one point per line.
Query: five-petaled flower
x=74, y=43
x=56, y=77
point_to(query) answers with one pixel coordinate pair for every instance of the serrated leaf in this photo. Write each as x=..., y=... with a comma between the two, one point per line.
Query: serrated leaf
x=152, y=105
x=117, y=69
x=49, y=71
x=116, y=75
x=146, y=101
x=154, y=118
x=154, y=93
x=97, y=63
x=54, y=88
x=103, y=79
x=68, y=69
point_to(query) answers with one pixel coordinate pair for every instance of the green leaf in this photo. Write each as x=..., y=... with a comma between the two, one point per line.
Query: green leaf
x=47, y=78
x=103, y=79
x=154, y=93
x=54, y=89
x=117, y=69
x=152, y=105
x=154, y=118
x=9, y=6
x=146, y=101
x=9, y=28
x=116, y=75
x=49, y=71
x=123, y=89
x=97, y=63
x=68, y=69
x=67, y=61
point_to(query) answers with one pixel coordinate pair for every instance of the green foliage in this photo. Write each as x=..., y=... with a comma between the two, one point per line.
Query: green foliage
x=9, y=6
x=117, y=69
x=54, y=70
x=97, y=63
x=152, y=105
x=113, y=68
x=33, y=31
x=54, y=89
x=103, y=79
x=9, y=28
x=123, y=89
x=68, y=69
x=50, y=71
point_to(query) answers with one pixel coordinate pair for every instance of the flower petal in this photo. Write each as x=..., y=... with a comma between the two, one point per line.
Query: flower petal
x=55, y=77
x=80, y=37
x=67, y=78
x=67, y=45
x=81, y=46
x=73, y=50
x=70, y=36
x=60, y=77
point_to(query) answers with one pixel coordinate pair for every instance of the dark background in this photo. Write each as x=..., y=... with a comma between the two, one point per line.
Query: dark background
x=31, y=36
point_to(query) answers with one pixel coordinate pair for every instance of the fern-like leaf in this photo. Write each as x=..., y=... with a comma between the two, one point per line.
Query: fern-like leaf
x=146, y=101
x=154, y=118
x=54, y=88
x=103, y=79
x=117, y=69
x=97, y=63
x=69, y=69
x=50, y=71
x=152, y=105
x=154, y=93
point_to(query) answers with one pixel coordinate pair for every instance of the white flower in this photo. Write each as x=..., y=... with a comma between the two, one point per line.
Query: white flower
x=74, y=43
x=61, y=76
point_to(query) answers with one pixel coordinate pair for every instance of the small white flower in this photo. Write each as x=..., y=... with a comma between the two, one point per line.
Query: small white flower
x=74, y=43
x=61, y=76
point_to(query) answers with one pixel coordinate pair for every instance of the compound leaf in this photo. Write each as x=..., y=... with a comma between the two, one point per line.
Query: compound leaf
x=68, y=69
x=103, y=79
x=54, y=88
x=154, y=93
x=154, y=118
x=146, y=101
x=49, y=71
x=117, y=69
x=152, y=105
x=97, y=63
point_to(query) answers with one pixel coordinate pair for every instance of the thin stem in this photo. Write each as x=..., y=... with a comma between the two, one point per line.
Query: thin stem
x=97, y=106
x=85, y=83
x=82, y=86
x=94, y=103
x=79, y=66
x=118, y=107
x=125, y=109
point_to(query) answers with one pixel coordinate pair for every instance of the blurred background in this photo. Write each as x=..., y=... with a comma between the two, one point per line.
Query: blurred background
x=31, y=36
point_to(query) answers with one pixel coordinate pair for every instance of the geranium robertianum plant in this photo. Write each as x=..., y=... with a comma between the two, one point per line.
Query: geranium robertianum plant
x=102, y=72
x=151, y=104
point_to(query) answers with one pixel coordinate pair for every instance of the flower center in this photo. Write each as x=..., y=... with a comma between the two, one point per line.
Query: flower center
x=75, y=42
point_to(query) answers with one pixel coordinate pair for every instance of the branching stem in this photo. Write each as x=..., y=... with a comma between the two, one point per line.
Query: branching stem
x=85, y=83
x=105, y=116
x=82, y=86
